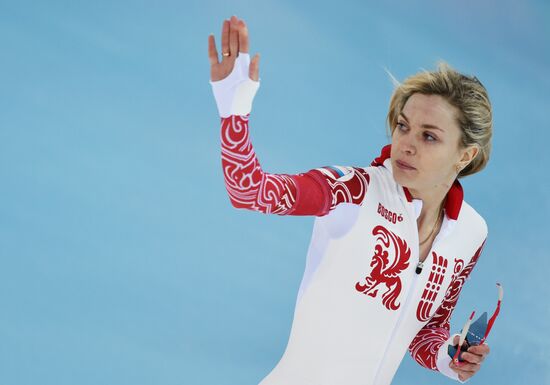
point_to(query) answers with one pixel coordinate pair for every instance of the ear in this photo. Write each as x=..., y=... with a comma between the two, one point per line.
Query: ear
x=469, y=154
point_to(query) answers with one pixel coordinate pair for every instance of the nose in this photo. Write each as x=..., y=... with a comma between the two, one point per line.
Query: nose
x=407, y=145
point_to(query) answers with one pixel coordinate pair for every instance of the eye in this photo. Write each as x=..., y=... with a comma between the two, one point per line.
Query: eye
x=400, y=126
x=429, y=137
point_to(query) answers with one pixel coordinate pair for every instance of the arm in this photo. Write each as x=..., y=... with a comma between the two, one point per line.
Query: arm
x=315, y=192
x=429, y=347
x=235, y=82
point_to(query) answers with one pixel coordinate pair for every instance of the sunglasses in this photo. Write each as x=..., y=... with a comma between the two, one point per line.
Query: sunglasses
x=474, y=333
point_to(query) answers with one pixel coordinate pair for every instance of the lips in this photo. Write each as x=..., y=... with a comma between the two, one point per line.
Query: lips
x=404, y=165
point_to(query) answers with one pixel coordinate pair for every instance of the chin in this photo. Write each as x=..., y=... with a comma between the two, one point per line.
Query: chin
x=402, y=179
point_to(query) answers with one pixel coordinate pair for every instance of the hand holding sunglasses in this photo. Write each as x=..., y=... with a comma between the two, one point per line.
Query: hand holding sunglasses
x=473, y=335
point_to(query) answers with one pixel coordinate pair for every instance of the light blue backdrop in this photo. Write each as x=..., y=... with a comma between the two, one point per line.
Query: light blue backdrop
x=121, y=258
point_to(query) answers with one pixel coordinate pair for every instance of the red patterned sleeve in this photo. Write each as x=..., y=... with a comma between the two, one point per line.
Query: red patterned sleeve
x=315, y=192
x=425, y=346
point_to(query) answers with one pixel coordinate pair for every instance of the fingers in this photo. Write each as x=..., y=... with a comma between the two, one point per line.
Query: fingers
x=465, y=366
x=233, y=37
x=464, y=371
x=234, y=40
x=225, y=38
x=473, y=358
x=243, y=37
x=476, y=354
x=467, y=369
x=480, y=349
x=212, y=52
x=463, y=376
x=472, y=361
x=254, y=70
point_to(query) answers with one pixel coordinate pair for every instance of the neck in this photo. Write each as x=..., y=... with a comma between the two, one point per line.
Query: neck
x=432, y=202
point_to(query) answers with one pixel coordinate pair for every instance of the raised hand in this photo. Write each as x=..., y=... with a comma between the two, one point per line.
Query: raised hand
x=234, y=41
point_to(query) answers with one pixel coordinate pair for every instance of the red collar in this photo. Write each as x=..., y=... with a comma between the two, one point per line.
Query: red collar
x=455, y=195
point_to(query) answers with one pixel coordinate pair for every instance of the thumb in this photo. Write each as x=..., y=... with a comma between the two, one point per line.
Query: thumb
x=254, y=69
x=456, y=340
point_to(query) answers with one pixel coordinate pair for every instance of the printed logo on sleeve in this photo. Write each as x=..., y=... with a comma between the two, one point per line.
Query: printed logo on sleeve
x=339, y=173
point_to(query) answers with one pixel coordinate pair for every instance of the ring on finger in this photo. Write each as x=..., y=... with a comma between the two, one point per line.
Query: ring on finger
x=225, y=53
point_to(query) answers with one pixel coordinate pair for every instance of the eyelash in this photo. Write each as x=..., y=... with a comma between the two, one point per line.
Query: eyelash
x=431, y=136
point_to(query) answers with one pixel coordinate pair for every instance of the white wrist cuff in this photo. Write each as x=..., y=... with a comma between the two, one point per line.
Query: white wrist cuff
x=234, y=94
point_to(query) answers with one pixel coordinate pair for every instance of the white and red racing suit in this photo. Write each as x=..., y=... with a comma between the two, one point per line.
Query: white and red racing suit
x=363, y=300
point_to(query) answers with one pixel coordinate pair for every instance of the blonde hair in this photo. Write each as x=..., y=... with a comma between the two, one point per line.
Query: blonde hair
x=466, y=93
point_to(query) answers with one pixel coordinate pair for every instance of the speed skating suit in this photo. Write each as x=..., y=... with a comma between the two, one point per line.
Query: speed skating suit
x=363, y=300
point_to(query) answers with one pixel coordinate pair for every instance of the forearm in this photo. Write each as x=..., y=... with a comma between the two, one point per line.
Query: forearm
x=247, y=184
x=429, y=347
x=315, y=192
x=426, y=344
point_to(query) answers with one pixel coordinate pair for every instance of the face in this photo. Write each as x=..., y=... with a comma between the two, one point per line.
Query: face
x=427, y=137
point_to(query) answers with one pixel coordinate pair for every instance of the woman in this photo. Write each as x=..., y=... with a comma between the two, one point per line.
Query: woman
x=392, y=243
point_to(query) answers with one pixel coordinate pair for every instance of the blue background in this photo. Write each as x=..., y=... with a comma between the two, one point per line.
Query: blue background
x=122, y=260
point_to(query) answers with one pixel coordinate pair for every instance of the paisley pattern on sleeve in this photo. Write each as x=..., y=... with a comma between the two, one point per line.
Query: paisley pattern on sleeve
x=246, y=183
x=425, y=345
x=313, y=193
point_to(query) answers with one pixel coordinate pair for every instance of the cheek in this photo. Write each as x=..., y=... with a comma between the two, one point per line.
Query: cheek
x=395, y=143
x=437, y=165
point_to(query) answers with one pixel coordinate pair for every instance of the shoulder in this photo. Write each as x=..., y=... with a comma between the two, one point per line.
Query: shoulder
x=471, y=233
x=469, y=218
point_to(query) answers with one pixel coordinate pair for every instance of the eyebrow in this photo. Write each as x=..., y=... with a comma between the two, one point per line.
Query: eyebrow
x=424, y=125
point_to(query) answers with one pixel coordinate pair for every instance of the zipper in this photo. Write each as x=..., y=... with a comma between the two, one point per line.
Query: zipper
x=414, y=278
x=404, y=312
x=419, y=267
